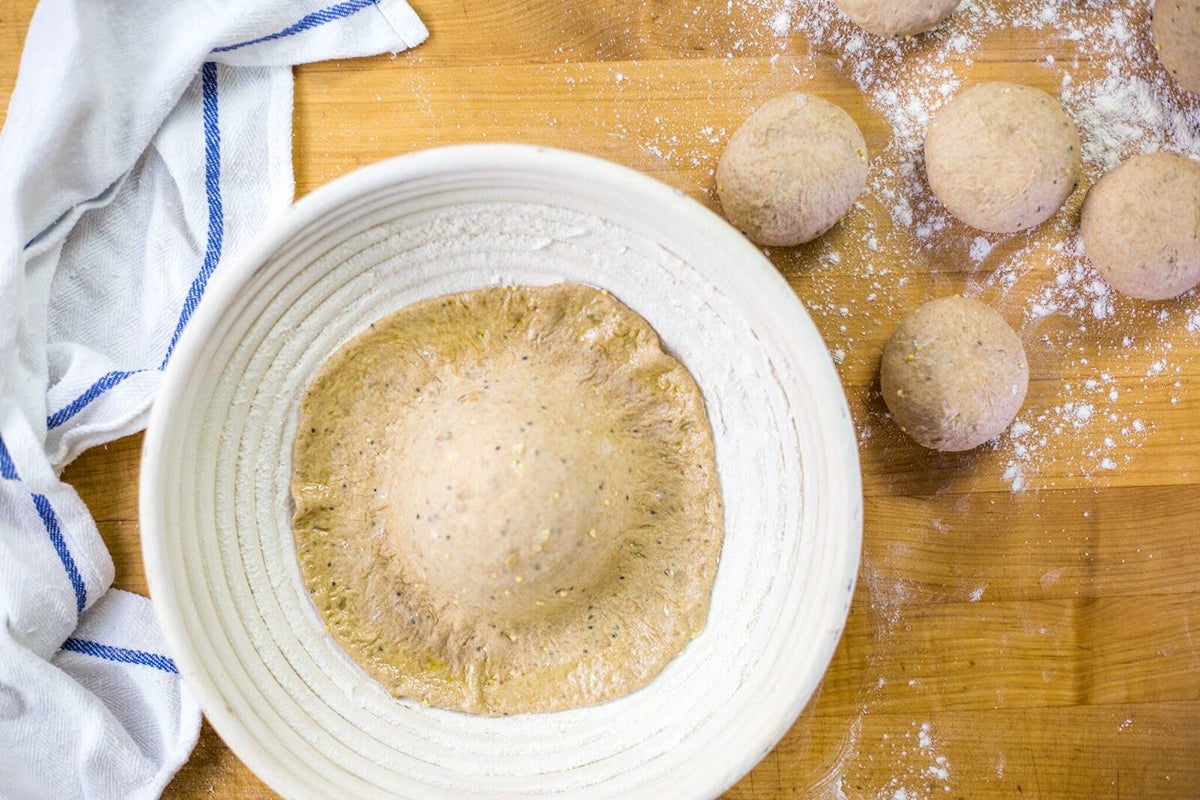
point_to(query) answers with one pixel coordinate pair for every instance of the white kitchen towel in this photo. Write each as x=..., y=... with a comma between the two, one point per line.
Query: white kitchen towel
x=145, y=142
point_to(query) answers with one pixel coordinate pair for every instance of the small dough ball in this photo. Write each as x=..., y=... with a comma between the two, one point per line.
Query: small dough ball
x=1002, y=157
x=1176, y=29
x=1141, y=226
x=792, y=170
x=897, y=17
x=954, y=374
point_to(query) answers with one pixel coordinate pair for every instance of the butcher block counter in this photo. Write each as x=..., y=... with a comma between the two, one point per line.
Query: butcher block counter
x=1022, y=620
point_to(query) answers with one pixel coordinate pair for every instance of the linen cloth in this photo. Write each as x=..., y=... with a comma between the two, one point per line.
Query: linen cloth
x=145, y=141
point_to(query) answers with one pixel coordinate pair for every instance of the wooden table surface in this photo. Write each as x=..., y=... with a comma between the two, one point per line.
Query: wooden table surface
x=1002, y=643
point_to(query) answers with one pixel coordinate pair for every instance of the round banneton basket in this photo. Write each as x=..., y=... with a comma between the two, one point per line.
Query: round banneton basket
x=216, y=511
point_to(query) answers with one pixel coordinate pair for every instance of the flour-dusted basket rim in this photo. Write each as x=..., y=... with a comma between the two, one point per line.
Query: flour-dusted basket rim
x=215, y=510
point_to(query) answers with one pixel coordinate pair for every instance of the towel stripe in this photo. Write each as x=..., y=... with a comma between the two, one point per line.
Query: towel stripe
x=50, y=520
x=120, y=654
x=105, y=382
x=212, y=186
x=8, y=470
x=313, y=20
x=212, y=252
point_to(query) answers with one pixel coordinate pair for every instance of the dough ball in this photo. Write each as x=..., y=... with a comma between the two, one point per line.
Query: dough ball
x=897, y=17
x=954, y=374
x=1176, y=28
x=1002, y=157
x=792, y=170
x=1141, y=226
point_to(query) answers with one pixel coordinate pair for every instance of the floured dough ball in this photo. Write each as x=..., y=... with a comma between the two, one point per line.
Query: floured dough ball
x=897, y=17
x=792, y=170
x=954, y=374
x=1176, y=28
x=1141, y=226
x=1002, y=157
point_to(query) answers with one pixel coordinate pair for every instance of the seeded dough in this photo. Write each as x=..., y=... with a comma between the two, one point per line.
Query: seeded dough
x=1002, y=157
x=506, y=500
x=1176, y=29
x=954, y=374
x=792, y=170
x=1141, y=226
x=897, y=17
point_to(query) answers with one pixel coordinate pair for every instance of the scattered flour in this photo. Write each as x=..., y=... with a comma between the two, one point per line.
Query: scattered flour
x=921, y=773
x=923, y=738
x=1049, y=578
x=918, y=770
x=1124, y=103
x=980, y=248
x=781, y=23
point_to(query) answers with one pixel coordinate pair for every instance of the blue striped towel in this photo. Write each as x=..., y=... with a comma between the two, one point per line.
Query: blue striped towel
x=145, y=142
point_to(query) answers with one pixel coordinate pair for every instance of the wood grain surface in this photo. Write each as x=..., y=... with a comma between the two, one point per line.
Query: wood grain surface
x=1033, y=643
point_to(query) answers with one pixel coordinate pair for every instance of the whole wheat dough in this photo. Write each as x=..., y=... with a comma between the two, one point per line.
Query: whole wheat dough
x=897, y=17
x=1141, y=226
x=1176, y=30
x=953, y=374
x=1002, y=157
x=506, y=500
x=792, y=170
